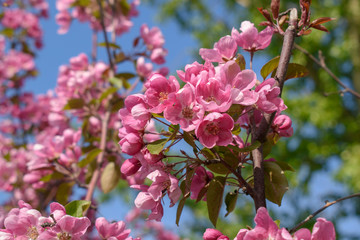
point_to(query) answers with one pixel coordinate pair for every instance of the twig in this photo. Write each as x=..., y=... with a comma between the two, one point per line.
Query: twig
x=328, y=204
x=322, y=64
x=260, y=133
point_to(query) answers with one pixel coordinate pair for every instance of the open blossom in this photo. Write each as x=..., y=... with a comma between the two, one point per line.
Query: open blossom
x=250, y=39
x=269, y=100
x=153, y=37
x=161, y=92
x=266, y=229
x=213, y=234
x=114, y=230
x=225, y=49
x=185, y=111
x=215, y=129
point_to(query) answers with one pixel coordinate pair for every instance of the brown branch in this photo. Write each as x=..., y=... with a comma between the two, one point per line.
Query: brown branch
x=249, y=189
x=105, y=121
x=328, y=204
x=260, y=133
x=322, y=64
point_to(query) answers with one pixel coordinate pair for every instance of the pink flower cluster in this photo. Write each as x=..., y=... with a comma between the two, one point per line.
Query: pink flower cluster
x=28, y=223
x=201, y=107
x=266, y=228
x=117, y=21
x=20, y=19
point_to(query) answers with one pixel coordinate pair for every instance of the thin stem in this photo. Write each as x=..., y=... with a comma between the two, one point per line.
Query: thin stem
x=322, y=64
x=260, y=133
x=328, y=204
x=241, y=180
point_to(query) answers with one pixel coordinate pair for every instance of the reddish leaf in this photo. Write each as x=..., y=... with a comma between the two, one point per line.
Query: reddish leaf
x=275, y=4
x=265, y=13
x=321, y=21
x=307, y=32
x=321, y=28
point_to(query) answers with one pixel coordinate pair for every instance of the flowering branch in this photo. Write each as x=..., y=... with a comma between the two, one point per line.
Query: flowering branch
x=260, y=133
x=322, y=64
x=328, y=204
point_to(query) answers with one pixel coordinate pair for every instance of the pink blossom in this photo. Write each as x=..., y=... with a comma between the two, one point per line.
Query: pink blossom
x=213, y=234
x=282, y=125
x=323, y=230
x=224, y=50
x=142, y=68
x=153, y=37
x=269, y=100
x=73, y=227
x=266, y=228
x=213, y=95
x=164, y=181
x=241, y=83
x=161, y=92
x=158, y=55
x=131, y=143
x=198, y=182
x=215, y=129
x=107, y=230
x=130, y=166
x=185, y=111
x=250, y=39
x=136, y=113
x=196, y=71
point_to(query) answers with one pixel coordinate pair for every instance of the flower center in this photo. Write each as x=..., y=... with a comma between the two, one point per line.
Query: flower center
x=64, y=236
x=187, y=112
x=32, y=233
x=163, y=96
x=210, y=98
x=212, y=128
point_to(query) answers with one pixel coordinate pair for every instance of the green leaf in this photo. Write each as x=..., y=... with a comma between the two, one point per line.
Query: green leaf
x=276, y=183
x=107, y=92
x=8, y=32
x=157, y=115
x=253, y=146
x=157, y=146
x=269, y=67
x=174, y=129
x=180, y=209
x=296, y=71
x=202, y=193
x=240, y=60
x=125, y=7
x=111, y=45
x=77, y=208
x=74, y=103
x=218, y=168
x=110, y=177
x=230, y=202
x=190, y=140
x=63, y=192
x=125, y=75
x=116, y=82
x=214, y=197
x=285, y=166
x=89, y=157
x=208, y=153
x=235, y=111
x=52, y=176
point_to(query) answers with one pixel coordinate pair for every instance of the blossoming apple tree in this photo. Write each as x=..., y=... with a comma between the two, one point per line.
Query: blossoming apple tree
x=96, y=129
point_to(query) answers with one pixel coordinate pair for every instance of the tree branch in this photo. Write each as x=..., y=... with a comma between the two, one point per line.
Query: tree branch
x=328, y=204
x=260, y=133
x=322, y=64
